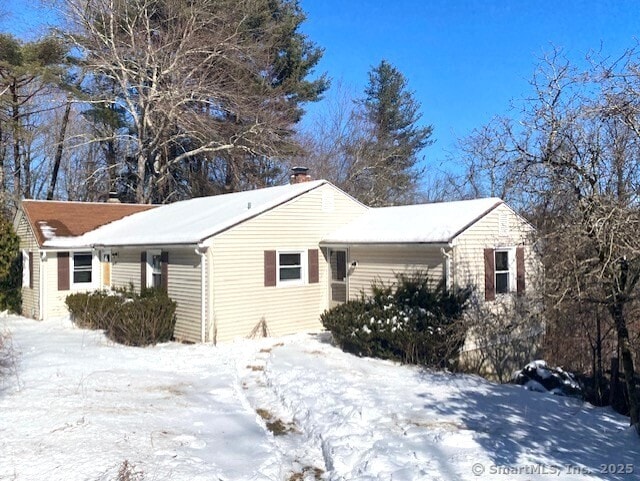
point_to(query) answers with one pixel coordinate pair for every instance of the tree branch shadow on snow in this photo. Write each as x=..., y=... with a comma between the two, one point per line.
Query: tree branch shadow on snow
x=8, y=359
x=515, y=427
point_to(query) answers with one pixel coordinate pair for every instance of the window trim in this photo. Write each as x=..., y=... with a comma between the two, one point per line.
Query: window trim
x=511, y=270
x=72, y=267
x=304, y=278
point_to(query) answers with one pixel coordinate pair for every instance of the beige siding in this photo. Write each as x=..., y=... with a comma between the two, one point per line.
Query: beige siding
x=30, y=296
x=381, y=263
x=54, y=299
x=183, y=287
x=468, y=252
x=54, y=304
x=240, y=300
x=125, y=268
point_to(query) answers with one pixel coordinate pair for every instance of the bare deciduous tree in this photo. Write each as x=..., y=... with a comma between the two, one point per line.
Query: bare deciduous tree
x=206, y=80
x=572, y=159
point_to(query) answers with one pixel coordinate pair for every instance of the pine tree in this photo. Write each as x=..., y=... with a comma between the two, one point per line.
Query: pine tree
x=27, y=71
x=10, y=267
x=392, y=150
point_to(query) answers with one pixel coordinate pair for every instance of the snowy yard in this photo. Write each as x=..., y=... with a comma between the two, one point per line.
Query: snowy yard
x=79, y=406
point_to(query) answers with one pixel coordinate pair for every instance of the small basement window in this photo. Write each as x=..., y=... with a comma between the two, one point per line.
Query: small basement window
x=82, y=268
x=291, y=267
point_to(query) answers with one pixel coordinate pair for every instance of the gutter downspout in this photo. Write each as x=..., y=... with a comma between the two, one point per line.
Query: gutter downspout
x=447, y=267
x=202, y=252
x=43, y=257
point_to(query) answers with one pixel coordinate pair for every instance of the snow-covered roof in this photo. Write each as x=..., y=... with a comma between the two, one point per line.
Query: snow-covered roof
x=187, y=222
x=50, y=219
x=423, y=223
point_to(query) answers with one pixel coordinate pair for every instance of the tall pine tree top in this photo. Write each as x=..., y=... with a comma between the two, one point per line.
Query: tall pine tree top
x=396, y=138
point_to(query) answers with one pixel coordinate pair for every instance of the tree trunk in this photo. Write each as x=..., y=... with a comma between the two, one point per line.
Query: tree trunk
x=142, y=169
x=59, y=149
x=232, y=174
x=26, y=172
x=617, y=312
x=3, y=188
x=597, y=373
x=112, y=163
x=17, y=163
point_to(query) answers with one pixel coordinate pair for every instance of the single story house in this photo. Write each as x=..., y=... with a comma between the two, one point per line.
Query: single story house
x=274, y=257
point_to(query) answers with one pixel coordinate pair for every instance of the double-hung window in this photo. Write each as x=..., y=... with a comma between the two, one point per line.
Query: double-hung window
x=290, y=267
x=503, y=281
x=154, y=258
x=82, y=270
x=504, y=271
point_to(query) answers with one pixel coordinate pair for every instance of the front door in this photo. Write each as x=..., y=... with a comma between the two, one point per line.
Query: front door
x=338, y=287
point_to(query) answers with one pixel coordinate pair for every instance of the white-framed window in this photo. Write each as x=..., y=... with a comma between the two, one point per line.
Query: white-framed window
x=505, y=270
x=154, y=268
x=26, y=269
x=82, y=274
x=291, y=267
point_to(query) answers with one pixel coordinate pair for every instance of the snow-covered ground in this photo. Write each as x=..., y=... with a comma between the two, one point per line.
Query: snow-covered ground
x=78, y=406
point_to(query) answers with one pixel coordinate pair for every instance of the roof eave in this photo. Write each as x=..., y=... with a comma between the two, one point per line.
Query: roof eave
x=331, y=243
x=37, y=234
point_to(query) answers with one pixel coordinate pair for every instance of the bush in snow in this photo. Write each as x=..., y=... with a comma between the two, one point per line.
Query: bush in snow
x=503, y=336
x=411, y=321
x=147, y=319
x=94, y=310
x=7, y=355
x=537, y=376
x=126, y=317
x=10, y=267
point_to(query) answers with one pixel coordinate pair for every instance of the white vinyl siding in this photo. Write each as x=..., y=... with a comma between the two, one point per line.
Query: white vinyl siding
x=383, y=262
x=240, y=299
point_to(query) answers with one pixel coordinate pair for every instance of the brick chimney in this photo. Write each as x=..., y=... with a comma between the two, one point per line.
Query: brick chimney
x=299, y=175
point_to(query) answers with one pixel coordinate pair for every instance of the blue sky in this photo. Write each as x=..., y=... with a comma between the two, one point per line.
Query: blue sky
x=465, y=59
